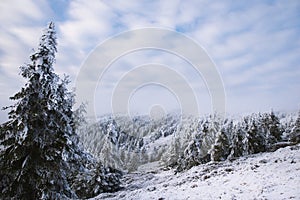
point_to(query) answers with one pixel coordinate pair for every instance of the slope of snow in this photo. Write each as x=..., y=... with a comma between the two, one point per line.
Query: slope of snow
x=274, y=175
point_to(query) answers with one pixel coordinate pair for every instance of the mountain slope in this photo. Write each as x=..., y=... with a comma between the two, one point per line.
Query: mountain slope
x=274, y=175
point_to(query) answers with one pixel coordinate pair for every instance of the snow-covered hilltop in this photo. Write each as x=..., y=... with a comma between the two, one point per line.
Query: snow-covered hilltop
x=272, y=175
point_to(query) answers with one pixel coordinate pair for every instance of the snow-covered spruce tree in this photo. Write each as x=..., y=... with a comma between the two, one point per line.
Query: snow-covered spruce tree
x=287, y=125
x=253, y=141
x=94, y=178
x=192, y=155
x=294, y=135
x=37, y=133
x=40, y=150
x=236, y=141
x=271, y=128
x=79, y=120
x=275, y=128
x=220, y=149
x=173, y=153
x=210, y=129
x=199, y=140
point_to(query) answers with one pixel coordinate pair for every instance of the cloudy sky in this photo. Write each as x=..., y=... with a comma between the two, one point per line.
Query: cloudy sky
x=254, y=45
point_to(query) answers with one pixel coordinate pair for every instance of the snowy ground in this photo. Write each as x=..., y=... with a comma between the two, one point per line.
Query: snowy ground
x=273, y=175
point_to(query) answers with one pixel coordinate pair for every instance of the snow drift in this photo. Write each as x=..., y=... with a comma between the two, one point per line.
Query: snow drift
x=273, y=175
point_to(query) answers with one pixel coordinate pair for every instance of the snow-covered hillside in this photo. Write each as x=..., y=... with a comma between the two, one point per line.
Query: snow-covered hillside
x=273, y=175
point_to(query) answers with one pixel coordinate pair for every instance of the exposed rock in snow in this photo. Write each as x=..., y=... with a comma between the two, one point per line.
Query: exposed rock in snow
x=274, y=175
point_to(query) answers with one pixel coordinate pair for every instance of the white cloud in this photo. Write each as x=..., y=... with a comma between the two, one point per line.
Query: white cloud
x=19, y=12
x=254, y=44
x=87, y=24
x=21, y=26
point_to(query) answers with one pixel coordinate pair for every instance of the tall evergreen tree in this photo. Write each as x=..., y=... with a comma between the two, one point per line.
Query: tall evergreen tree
x=295, y=132
x=40, y=152
x=38, y=130
x=236, y=139
x=270, y=126
x=253, y=141
x=220, y=149
x=275, y=127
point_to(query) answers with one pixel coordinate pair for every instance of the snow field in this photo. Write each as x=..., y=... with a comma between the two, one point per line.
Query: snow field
x=274, y=175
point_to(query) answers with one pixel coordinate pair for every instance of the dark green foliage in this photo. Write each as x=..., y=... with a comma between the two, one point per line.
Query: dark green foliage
x=39, y=146
x=95, y=180
x=220, y=149
x=37, y=135
x=275, y=128
x=192, y=155
x=295, y=132
x=271, y=128
x=253, y=134
x=236, y=140
x=253, y=141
